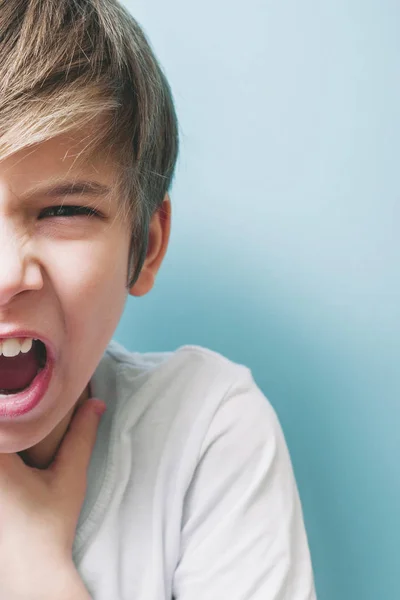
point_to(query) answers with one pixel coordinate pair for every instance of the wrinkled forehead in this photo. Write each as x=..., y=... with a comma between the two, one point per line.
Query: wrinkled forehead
x=69, y=156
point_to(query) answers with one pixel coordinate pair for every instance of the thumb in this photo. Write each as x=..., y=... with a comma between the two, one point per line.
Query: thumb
x=73, y=456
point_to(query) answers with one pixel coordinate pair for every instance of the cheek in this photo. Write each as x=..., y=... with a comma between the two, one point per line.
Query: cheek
x=89, y=281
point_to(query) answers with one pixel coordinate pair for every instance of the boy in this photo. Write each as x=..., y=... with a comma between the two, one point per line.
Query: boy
x=185, y=489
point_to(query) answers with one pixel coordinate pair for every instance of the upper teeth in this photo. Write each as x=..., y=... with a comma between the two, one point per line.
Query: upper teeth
x=13, y=346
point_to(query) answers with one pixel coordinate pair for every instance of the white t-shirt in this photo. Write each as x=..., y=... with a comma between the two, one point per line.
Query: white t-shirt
x=191, y=493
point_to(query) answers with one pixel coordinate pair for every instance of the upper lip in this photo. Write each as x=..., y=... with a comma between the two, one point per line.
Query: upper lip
x=28, y=333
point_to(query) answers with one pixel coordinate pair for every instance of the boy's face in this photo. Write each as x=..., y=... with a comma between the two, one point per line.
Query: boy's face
x=62, y=277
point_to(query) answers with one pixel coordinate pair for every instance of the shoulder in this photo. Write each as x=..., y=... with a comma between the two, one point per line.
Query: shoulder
x=190, y=356
x=189, y=387
x=193, y=367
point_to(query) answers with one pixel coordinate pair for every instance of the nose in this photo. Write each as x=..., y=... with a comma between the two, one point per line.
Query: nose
x=18, y=270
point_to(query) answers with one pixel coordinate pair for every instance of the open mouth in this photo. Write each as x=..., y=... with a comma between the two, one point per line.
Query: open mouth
x=17, y=372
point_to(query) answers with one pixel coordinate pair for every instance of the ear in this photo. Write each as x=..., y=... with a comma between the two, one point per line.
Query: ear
x=159, y=232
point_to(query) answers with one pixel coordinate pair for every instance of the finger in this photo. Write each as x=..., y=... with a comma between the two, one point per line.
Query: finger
x=73, y=456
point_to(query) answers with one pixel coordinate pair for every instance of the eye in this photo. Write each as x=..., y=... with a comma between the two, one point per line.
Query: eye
x=67, y=210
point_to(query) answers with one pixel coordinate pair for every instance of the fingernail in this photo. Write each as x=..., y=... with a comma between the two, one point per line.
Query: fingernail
x=99, y=407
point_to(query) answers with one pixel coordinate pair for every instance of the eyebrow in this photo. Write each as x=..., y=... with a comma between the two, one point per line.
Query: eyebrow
x=69, y=188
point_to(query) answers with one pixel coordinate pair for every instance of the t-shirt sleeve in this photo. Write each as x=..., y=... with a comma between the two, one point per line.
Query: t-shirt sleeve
x=243, y=535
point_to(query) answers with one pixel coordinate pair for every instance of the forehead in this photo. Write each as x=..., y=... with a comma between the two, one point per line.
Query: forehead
x=64, y=157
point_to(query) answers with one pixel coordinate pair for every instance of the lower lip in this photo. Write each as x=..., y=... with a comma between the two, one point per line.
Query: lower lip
x=16, y=405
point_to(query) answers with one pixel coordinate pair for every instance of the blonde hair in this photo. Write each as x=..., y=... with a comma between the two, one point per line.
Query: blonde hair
x=66, y=64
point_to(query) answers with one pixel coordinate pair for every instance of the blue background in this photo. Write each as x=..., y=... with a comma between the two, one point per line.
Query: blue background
x=285, y=248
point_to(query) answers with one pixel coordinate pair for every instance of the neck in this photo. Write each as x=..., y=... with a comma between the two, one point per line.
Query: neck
x=42, y=454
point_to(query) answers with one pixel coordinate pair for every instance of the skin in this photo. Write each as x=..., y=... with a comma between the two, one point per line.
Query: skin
x=39, y=513
x=64, y=277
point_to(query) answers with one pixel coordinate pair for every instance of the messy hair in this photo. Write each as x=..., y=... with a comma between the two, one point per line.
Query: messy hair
x=65, y=64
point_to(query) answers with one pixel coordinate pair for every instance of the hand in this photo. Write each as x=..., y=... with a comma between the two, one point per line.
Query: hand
x=39, y=511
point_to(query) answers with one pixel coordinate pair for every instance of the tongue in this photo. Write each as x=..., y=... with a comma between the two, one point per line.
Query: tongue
x=18, y=372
